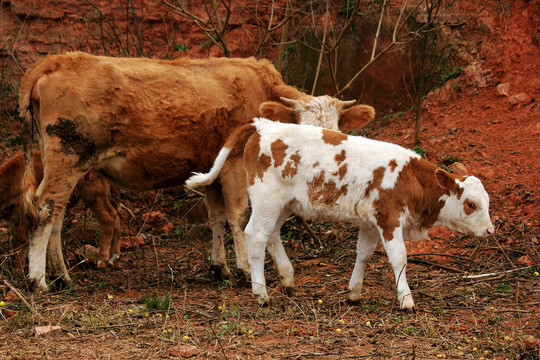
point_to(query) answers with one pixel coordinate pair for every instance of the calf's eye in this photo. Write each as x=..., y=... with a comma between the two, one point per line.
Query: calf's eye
x=471, y=205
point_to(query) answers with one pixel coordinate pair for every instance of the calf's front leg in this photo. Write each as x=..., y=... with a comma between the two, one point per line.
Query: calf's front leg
x=397, y=255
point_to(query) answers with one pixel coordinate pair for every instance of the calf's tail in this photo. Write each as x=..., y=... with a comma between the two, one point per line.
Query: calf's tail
x=200, y=179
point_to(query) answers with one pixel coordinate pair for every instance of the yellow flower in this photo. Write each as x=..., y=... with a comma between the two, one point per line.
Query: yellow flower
x=536, y=273
x=140, y=325
x=167, y=316
x=185, y=338
x=170, y=331
x=486, y=352
x=341, y=321
x=250, y=332
x=507, y=338
x=110, y=297
x=251, y=337
x=474, y=349
x=130, y=311
x=147, y=315
x=319, y=301
x=368, y=323
x=2, y=303
x=338, y=330
x=159, y=315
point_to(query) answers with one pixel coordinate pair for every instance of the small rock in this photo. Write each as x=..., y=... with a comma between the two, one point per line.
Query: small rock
x=502, y=89
x=182, y=351
x=167, y=228
x=42, y=330
x=522, y=98
x=131, y=242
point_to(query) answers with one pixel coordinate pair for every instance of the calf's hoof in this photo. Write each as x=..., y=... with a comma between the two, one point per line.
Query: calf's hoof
x=263, y=300
x=407, y=304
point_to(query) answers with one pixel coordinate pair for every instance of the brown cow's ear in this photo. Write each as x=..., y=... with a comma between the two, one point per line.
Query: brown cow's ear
x=355, y=117
x=446, y=180
x=460, y=169
x=276, y=111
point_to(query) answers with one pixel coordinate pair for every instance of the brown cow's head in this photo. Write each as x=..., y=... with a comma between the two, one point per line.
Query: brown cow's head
x=323, y=111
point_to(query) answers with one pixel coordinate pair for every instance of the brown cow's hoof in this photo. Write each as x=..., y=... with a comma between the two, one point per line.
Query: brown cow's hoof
x=220, y=273
x=62, y=283
x=288, y=290
x=242, y=279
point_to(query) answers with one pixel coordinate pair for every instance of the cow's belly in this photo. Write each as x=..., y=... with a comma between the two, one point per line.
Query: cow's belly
x=146, y=174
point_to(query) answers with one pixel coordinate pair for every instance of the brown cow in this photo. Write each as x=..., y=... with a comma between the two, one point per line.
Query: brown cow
x=94, y=192
x=148, y=124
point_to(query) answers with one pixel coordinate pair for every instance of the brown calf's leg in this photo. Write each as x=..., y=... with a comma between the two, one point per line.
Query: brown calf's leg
x=233, y=180
x=217, y=217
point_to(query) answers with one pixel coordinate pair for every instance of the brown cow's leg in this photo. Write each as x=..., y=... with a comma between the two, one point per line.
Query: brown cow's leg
x=233, y=180
x=56, y=262
x=217, y=218
x=53, y=194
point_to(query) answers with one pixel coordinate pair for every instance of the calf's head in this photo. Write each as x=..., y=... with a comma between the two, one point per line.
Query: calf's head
x=324, y=111
x=466, y=209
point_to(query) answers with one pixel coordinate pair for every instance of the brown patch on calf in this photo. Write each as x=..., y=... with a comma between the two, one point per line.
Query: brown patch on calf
x=342, y=171
x=316, y=164
x=256, y=165
x=378, y=175
x=393, y=165
x=340, y=157
x=278, y=148
x=291, y=168
x=468, y=206
x=416, y=189
x=333, y=137
x=323, y=192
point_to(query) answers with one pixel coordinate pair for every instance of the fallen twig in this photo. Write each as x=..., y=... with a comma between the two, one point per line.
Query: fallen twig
x=19, y=295
x=499, y=273
x=310, y=231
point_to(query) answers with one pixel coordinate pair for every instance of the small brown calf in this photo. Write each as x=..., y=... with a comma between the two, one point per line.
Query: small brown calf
x=93, y=190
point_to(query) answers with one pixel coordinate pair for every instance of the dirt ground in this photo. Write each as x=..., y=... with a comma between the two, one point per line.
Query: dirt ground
x=475, y=298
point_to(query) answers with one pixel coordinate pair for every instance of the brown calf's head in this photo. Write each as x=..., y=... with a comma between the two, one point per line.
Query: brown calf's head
x=323, y=111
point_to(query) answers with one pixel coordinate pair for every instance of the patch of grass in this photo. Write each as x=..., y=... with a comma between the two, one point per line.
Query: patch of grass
x=504, y=288
x=158, y=302
x=453, y=74
x=420, y=151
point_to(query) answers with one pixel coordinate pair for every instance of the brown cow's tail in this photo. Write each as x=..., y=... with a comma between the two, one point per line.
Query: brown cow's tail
x=200, y=179
x=27, y=93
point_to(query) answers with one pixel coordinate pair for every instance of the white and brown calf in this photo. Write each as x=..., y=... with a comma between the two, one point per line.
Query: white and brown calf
x=389, y=192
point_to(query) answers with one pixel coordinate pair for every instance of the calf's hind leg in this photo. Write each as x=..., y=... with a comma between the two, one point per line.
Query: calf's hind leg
x=366, y=244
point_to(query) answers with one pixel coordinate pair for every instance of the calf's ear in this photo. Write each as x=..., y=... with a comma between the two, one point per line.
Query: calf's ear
x=460, y=169
x=276, y=111
x=355, y=117
x=446, y=180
